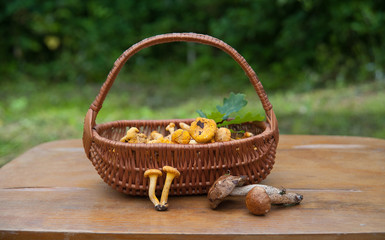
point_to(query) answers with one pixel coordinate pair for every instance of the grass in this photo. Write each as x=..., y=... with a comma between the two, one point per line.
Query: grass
x=32, y=113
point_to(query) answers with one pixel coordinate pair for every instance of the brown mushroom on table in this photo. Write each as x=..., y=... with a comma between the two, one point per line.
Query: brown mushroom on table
x=277, y=195
x=153, y=175
x=222, y=187
x=171, y=174
x=228, y=185
x=257, y=201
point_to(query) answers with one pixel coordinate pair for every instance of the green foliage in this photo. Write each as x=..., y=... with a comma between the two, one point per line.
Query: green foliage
x=231, y=106
x=291, y=43
x=248, y=117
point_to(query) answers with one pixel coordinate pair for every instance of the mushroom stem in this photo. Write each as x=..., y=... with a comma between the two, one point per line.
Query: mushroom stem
x=151, y=190
x=171, y=174
x=153, y=174
x=277, y=196
x=166, y=190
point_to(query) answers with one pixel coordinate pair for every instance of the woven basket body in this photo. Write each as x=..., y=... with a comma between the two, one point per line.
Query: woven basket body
x=122, y=165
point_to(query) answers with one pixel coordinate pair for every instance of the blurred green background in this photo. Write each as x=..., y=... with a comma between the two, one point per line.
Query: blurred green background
x=321, y=62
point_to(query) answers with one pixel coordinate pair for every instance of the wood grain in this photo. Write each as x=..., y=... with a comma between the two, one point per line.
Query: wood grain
x=52, y=191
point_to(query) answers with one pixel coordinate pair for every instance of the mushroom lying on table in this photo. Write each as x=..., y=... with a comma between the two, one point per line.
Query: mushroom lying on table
x=257, y=201
x=232, y=185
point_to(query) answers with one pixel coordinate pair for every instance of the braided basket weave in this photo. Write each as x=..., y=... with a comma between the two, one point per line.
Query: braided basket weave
x=122, y=165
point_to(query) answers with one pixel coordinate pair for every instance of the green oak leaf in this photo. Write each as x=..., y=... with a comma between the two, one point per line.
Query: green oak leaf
x=216, y=116
x=248, y=117
x=232, y=104
x=201, y=113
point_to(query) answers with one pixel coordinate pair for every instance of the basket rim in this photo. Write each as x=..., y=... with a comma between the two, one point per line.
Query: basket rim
x=265, y=135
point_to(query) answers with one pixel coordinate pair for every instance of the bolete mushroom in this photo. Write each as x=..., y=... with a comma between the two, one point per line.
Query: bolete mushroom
x=203, y=130
x=222, y=187
x=153, y=175
x=171, y=174
x=181, y=136
x=232, y=185
x=257, y=201
x=277, y=196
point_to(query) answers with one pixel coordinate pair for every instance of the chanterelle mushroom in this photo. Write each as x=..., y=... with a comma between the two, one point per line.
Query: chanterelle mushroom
x=131, y=134
x=181, y=136
x=171, y=174
x=155, y=135
x=184, y=126
x=153, y=174
x=170, y=128
x=203, y=130
x=139, y=138
x=223, y=135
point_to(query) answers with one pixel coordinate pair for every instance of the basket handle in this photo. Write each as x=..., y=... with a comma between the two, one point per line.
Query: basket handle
x=166, y=38
x=178, y=37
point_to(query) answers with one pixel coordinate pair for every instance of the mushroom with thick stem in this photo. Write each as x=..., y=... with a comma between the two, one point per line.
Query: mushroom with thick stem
x=171, y=174
x=222, y=187
x=257, y=201
x=277, y=196
x=218, y=192
x=153, y=175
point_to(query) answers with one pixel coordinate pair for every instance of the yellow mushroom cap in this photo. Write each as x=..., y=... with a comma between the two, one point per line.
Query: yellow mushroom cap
x=131, y=133
x=184, y=126
x=174, y=171
x=223, y=135
x=181, y=136
x=150, y=172
x=203, y=130
x=170, y=127
x=155, y=135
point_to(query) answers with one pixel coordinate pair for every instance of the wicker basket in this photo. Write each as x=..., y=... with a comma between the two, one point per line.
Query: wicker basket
x=121, y=165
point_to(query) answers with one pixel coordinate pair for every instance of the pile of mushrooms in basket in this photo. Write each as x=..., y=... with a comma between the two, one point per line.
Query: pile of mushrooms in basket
x=206, y=129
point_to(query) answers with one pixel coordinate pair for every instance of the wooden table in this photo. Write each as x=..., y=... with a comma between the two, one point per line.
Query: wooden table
x=53, y=192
